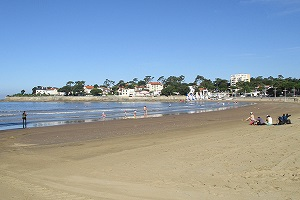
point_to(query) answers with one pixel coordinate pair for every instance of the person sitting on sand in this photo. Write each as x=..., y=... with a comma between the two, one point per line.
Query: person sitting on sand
x=284, y=119
x=251, y=118
x=260, y=121
x=287, y=120
x=269, y=120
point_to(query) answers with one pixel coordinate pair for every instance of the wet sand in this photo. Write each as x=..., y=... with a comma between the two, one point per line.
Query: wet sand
x=214, y=155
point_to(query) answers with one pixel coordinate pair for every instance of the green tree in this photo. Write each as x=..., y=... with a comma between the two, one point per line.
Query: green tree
x=70, y=83
x=34, y=90
x=174, y=85
x=96, y=86
x=208, y=84
x=67, y=89
x=135, y=80
x=78, y=88
x=244, y=87
x=169, y=90
x=96, y=92
x=148, y=79
x=141, y=83
x=221, y=85
x=161, y=79
x=108, y=83
x=199, y=79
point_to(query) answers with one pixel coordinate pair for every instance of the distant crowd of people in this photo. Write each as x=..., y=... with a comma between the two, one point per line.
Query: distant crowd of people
x=284, y=119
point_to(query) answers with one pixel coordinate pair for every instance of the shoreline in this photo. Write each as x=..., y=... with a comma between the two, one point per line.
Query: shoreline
x=32, y=124
x=212, y=155
x=112, y=98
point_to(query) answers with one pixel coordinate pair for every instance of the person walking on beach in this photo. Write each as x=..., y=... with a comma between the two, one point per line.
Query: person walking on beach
x=24, y=116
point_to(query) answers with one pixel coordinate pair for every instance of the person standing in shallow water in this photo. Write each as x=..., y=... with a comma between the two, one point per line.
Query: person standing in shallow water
x=24, y=118
x=145, y=111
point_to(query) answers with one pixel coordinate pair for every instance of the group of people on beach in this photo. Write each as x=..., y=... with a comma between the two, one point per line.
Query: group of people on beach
x=269, y=121
x=24, y=115
x=134, y=113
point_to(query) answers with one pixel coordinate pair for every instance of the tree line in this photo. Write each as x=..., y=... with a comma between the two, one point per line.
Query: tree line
x=271, y=86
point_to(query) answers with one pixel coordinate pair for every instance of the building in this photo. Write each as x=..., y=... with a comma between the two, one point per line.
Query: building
x=47, y=91
x=155, y=88
x=88, y=89
x=238, y=78
x=126, y=92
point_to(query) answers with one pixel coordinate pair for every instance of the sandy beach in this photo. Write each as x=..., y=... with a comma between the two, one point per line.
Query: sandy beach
x=213, y=155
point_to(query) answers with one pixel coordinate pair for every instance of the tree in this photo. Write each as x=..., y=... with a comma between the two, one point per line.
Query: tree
x=280, y=77
x=174, y=85
x=199, y=79
x=141, y=83
x=135, y=80
x=183, y=89
x=67, y=89
x=169, y=90
x=244, y=87
x=96, y=86
x=34, y=90
x=96, y=92
x=78, y=88
x=221, y=85
x=161, y=79
x=108, y=83
x=208, y=84
x=70, y=83
x=147, y=79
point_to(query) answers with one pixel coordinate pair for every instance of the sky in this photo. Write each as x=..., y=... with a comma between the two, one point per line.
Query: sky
x=51, y=42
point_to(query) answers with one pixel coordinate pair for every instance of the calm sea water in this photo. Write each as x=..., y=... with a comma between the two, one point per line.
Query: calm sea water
x=58, y=113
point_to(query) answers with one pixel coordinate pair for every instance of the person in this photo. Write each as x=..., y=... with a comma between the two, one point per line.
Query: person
x=282, y=119
x=260, y=121
x=103, y=115
x=24, y=117
x=288, y=121
x=269, y=120
x=251, y=118
x=134, y=114
x=145, y=110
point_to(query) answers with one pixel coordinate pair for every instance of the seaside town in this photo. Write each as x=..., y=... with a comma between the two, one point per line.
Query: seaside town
x=239, y=85
x=150, y=100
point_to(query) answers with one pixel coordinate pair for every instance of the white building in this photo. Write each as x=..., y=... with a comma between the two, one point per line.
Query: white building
x=88, y=89
x=152, y=88
x=238, y=78
x=48, y=91
x=126, y=92
x=155, y=88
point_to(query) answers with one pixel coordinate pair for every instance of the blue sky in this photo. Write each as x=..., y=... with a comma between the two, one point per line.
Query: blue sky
x=50, y=42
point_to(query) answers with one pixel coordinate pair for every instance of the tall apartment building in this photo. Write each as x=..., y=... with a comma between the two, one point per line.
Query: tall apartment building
x=239, y=77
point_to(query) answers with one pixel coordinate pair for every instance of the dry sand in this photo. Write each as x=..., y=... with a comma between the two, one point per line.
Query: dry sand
x=214, y=155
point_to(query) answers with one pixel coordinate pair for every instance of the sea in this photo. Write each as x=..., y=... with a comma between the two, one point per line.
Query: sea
x=41, y=114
